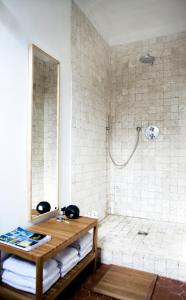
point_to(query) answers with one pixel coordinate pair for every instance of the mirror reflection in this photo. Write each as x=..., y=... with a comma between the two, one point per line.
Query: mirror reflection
x=44, y=132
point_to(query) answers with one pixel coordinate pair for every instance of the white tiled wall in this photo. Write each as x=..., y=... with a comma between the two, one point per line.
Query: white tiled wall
x=90, y=97
x=37, y=134
x=112, y=80
x=44, y=133
x=153, y=185
x=50, y=135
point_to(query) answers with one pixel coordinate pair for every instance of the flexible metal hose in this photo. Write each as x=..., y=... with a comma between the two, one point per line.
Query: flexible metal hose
x=122, y=165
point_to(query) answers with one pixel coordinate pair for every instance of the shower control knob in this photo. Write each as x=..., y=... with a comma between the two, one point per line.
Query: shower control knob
x=152, y=132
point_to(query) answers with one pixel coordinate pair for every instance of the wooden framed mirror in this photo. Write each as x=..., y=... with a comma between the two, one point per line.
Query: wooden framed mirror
x=43, y=132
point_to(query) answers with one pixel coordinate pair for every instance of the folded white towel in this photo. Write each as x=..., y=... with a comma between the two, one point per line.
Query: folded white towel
x=84, y=249
x=84, y=252
x=24, y=284
x=27, y=268
x=70, y=264
x=65, y=256
x=25, y=280
x=69, y=267
x=83, y=241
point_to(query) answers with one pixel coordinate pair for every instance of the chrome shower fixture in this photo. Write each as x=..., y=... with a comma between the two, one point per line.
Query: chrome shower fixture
x=108, y=123
x=147, y=59
x=124, y=163
x=152, y=132
x=138, y=129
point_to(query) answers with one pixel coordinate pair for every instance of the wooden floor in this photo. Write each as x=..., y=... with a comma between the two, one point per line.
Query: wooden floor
x=126, y=284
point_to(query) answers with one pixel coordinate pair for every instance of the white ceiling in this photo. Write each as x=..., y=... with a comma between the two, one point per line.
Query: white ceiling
x=123, y=21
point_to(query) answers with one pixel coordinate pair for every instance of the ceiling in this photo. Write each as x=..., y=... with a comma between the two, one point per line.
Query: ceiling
x=124, y=21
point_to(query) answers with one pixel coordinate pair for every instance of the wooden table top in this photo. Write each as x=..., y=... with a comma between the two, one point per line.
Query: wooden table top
x=63, y=234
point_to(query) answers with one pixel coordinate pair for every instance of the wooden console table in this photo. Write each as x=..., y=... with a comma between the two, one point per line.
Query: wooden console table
x=63, y=235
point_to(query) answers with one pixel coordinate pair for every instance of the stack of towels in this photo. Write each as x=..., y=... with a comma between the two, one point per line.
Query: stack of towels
x=83, y=245
x=67, y=259
x=21, y=274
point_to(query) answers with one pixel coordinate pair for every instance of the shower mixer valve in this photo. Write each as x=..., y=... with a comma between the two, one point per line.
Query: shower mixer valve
x=152, y=132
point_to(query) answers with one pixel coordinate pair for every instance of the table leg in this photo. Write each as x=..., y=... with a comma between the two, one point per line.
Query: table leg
x=95, y=234
x=39, y=279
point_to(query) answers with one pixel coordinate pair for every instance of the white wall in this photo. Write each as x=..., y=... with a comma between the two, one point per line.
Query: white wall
x=90, y=94
x=153, y=184
x=45, y=23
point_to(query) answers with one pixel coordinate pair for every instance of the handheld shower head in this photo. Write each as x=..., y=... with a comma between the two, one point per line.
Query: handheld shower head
x=147, y=59
x=138, y=129
x=108, y=127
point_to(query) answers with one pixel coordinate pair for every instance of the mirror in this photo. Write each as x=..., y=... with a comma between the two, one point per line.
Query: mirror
x=44, y=131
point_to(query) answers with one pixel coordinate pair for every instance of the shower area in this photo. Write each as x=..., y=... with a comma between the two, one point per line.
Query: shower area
x=146, y=135
x=128, y=146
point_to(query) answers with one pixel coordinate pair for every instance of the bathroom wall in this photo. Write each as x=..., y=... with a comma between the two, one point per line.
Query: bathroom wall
x=50, y=134
x=90, y=95
x=153, y=184
x=46, y=24
x=38, y=133
x=44, y=133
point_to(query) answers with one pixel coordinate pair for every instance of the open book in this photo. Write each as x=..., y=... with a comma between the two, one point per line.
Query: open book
x=24, y=239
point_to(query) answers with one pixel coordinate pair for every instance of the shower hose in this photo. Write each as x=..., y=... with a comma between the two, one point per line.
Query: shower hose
x=123, y=164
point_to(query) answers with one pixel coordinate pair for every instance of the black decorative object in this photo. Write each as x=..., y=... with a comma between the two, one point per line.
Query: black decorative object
x=62, y=212
x=43, y=207
x=72, y=212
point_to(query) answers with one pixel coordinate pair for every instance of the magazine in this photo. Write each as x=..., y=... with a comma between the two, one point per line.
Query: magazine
x=24, y=239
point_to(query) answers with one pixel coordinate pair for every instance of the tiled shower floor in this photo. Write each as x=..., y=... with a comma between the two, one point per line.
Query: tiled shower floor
x=162, y=251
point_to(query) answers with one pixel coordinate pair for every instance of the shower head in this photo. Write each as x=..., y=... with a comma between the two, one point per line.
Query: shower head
x=138, y=129
x=147, y=59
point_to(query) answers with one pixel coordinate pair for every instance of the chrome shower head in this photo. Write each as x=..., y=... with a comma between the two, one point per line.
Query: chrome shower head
x=147, y=59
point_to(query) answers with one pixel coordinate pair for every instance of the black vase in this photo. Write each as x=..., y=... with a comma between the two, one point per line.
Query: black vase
x=43, y=207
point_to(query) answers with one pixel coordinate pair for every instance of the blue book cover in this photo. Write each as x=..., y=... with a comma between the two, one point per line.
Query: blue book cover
x=24, y=239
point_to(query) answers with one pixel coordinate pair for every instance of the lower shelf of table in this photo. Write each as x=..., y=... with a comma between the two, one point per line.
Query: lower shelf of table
x=9, y=292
